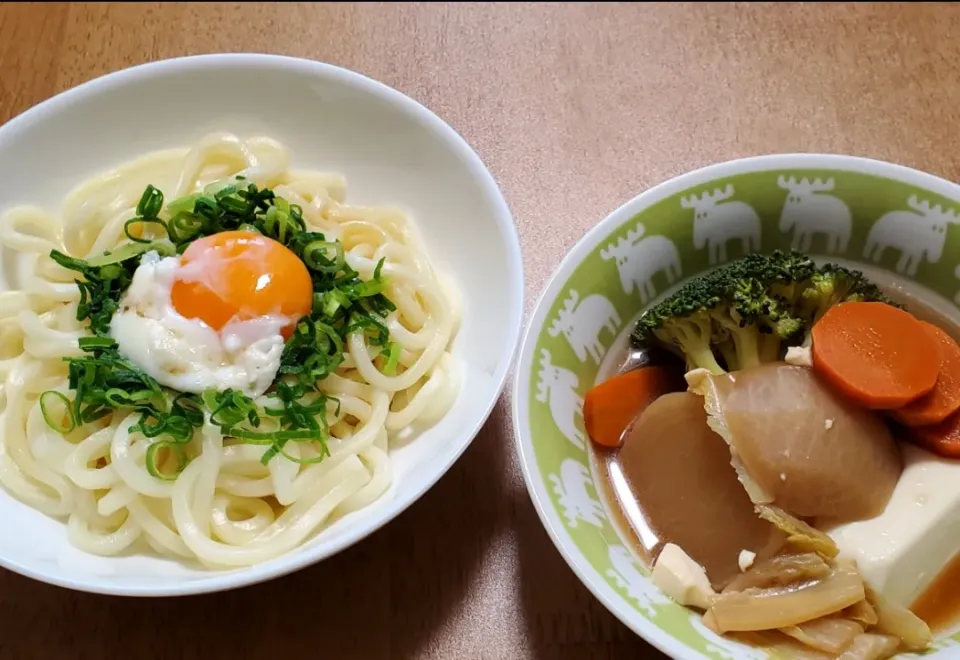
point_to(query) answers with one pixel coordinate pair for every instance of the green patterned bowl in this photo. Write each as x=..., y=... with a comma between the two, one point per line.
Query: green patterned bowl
x=893, y=222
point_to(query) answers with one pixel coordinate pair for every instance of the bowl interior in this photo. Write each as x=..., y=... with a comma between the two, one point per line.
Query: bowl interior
x=392, y=152
x=897, y=225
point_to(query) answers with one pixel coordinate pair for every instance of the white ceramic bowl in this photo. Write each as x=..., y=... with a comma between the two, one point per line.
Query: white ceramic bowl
x=892, y=222
x=392, y=151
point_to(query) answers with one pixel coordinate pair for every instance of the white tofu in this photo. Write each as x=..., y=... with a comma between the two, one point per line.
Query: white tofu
x=682, y=579
x=799, y=356
x=902, y=550
x=746, y=559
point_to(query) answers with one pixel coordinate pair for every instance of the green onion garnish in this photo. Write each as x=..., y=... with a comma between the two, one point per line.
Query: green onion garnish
x=152, y=459
x=48, y=402
x=393, y=358
x=104, y=381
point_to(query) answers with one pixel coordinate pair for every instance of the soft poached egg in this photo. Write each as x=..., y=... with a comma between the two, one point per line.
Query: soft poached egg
x=215, y=317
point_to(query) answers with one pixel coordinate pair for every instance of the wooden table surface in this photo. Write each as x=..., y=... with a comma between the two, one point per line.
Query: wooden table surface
x=575, y=109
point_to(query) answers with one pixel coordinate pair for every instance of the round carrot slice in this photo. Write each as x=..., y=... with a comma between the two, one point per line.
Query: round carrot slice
x=877, y=354
x=944, y=400
x=942, y=439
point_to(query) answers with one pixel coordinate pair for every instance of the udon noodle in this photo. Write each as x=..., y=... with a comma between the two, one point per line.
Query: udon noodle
x=225, y=509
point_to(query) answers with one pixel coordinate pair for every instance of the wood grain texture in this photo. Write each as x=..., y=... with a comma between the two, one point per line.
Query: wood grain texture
x=575, y=108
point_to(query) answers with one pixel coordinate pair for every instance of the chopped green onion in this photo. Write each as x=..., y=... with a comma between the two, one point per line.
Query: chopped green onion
x=151, y=459
x=112, y=271
x=329, y=302
x=368, y=324
x=129, y=251
x=151, y=429
x=371, y=288
x=279, y=224
x=94, y=343
x=268, y=437
x=182, y=204
x=184, y=226
x=227, y=190
x=393, y=358
x=324, y=256
x=324, y=453
x=232, y=203
x=229, y=408
x=189, y=407
x=93, y=413
x=179, y=428
x=144, y=221
x=46, y=402
x=117, y=398
x=150, y=203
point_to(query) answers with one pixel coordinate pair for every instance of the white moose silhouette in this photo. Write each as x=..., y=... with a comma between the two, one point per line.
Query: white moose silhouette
x=558, y=387
x=571, y=489
x=639, y=260
x=715, y=223
x=627, y=576
x=723, y=647
x=583, y=323
x=918, y=234
x=808, y=214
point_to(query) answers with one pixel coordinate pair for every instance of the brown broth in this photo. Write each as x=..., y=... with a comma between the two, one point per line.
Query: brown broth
x=939, y=605
x=615, y=491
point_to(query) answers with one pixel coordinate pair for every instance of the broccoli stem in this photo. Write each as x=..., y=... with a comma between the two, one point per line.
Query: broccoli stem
x=769, y=348
x=705, y=359
x=747, y=344
x=729, y=353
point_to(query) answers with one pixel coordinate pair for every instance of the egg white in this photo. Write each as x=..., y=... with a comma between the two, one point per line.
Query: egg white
x=185, y=354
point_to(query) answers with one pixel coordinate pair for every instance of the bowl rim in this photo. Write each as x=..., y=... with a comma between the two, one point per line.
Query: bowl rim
x=533, y=479
x=502, y=216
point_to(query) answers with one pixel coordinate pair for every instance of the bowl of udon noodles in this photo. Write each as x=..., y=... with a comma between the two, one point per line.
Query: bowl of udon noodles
x=251, y=308
x=737, y=411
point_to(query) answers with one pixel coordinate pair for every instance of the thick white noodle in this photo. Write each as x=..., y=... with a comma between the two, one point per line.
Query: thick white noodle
x=225, y=509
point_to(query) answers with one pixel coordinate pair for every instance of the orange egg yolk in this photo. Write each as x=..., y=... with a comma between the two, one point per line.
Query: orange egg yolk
x=240, y=275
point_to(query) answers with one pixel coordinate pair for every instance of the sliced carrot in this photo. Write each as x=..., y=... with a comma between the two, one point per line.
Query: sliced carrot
x=610, y=407
x=877, y=354
x=942, y=439
x=944, y=400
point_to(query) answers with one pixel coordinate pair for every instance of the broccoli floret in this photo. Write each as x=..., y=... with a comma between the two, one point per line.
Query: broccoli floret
x=743, y=314
x=692, y=336
x=743, y=336
x=832, y=285
x=740, y=312
x=683, y=323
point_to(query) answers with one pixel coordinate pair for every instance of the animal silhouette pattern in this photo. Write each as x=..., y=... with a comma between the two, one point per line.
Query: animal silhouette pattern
x=582, y=324
x=570, y=487
x=639, y=260
x=918, y=235
x=557, y=387
x=717, y=221
x=722, y=647
x=626, y=575
x=808, y=212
